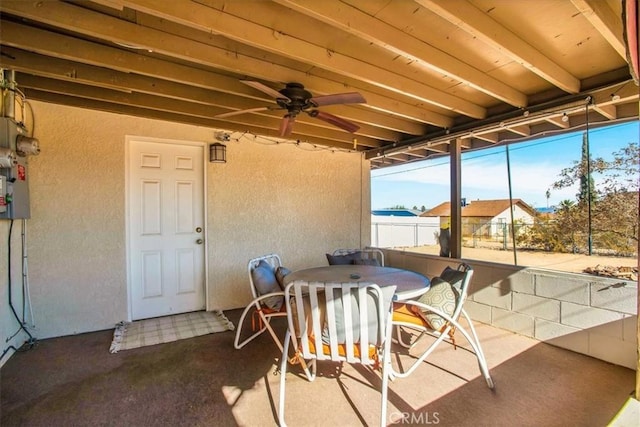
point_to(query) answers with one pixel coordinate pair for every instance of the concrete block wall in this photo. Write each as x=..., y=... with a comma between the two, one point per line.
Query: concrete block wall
x=596, y=316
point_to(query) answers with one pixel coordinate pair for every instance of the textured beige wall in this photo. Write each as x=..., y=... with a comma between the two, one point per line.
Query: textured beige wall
x=267, y=198
x=281, y=199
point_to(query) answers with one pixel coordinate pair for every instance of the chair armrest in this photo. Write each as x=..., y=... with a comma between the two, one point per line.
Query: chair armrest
x=269, y=295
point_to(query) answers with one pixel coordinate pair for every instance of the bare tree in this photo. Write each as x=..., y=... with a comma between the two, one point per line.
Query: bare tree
x=614, y=199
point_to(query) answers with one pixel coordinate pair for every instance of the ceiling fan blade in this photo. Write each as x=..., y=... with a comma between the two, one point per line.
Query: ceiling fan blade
x=234, y=113
x=264, y=88
x=338, y=98
x=335, y=120
x=286, y=125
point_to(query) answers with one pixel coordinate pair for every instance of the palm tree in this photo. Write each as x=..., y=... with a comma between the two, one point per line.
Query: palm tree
x=566, y=205
x=548, y=194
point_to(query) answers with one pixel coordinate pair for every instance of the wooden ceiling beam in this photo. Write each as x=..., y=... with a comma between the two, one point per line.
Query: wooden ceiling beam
x=467, y=17
x=201, y=17
x=61, y=69
x=150, y=102
x=605, y=21
x=492, y=137
x=178, y=118
x=557, y=121
x=421, y=153
x=522, y=130
x=608, y=111
x=401, y=157
x=57, y=45
x=114, y=4
x=355, y=22
x=439, y=147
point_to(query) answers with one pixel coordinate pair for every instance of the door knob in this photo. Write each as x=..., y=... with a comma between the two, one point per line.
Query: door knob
x=199, y=241
x=199, y=230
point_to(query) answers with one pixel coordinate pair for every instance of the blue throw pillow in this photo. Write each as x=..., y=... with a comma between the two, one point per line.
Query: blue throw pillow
x=281, y=273
x=343, y=259
x=370, y=261
x=265, y=281
x=454, y=277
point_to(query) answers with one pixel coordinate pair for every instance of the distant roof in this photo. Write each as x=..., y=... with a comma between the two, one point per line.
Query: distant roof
x=550, y=209
x=396, y=212
x=479, y=208
x=443, y=209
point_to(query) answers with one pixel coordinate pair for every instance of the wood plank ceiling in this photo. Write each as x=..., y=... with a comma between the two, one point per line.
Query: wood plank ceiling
x=481, y=71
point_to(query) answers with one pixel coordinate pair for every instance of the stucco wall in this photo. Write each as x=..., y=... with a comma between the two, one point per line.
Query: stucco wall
x=282, y=199
x=266, y=198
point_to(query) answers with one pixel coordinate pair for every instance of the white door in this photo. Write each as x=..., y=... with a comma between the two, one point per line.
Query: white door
x=166, y=228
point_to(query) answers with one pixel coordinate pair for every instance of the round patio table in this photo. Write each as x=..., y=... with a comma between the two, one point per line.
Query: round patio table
x=409, y=284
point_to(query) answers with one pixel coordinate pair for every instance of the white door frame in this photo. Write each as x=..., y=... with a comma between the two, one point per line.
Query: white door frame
x=127, y=160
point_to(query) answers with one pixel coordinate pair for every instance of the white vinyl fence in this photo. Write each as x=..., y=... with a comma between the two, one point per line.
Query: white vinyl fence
x=393, y=232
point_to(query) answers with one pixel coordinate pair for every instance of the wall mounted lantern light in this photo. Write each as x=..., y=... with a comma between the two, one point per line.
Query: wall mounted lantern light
x=217, y=153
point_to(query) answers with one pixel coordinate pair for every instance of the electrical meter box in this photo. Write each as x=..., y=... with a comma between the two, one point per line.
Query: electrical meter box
x=14, y=200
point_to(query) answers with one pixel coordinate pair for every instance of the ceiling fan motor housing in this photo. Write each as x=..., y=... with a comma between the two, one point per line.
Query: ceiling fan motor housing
x=299, y=98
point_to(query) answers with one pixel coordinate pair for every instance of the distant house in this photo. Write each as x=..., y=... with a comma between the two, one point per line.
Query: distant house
x=396, y=212
x=485, y=218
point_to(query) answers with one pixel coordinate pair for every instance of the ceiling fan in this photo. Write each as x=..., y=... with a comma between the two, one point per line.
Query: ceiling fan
x=296, y=99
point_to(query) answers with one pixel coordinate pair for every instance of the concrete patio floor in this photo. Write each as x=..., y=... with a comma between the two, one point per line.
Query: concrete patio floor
x=204, y=381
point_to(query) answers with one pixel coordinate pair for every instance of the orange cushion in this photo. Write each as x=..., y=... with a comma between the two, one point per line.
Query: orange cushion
x=267, y=311
x=404, y=313
x=342, y=349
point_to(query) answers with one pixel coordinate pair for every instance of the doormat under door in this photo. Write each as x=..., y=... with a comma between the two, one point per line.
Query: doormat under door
x=141, y=333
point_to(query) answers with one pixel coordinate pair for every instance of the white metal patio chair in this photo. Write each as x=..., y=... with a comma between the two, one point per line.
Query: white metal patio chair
x=268, y=299
x=436, y=313
x=365, y=254
x=340, y=322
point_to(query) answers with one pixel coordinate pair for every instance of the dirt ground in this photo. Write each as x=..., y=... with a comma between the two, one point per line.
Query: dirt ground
x=574, y=263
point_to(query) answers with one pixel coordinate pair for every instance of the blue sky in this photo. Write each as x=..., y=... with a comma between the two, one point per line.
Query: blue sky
x=535, y=165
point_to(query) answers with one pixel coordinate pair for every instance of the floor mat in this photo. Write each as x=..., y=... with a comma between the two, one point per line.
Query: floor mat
x=141, y=333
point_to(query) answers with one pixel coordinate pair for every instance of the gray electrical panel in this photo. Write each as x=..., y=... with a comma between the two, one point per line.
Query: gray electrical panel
x=14, y=202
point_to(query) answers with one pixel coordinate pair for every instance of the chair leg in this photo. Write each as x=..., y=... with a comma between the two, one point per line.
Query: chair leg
x=471, y=338
x=310, y=373
x=482, y=361
x=422, y=357
x=266, y=321
x=384, y=392
x=283, y=372
x=399, y=339
x=238, y=345
x=387, y=374
x=267, y=325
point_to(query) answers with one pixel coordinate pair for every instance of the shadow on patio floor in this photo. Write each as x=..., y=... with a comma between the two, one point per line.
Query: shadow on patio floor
x=204, y=381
